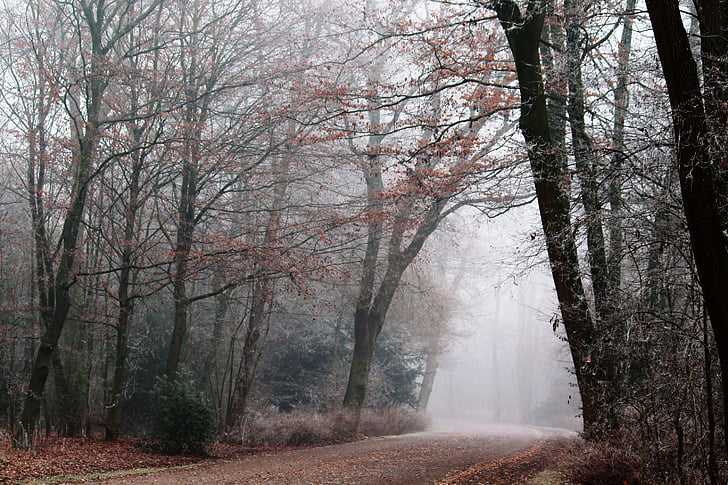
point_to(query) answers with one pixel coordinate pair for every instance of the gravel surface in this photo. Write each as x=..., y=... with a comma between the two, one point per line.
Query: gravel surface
x=415, y=459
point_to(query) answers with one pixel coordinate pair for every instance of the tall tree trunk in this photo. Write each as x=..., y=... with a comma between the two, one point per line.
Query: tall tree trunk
x=255, y=333
x=371, y=308
x=708, y=370
x=695, y=118
x=185, y=230
x=524, y=34
x=195, y=118
x=363, y=328
x=605, y=283
x=369, y=319
x=621, y=104
x=584, y=158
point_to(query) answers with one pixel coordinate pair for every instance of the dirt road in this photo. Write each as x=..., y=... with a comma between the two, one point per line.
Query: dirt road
x=414, y=459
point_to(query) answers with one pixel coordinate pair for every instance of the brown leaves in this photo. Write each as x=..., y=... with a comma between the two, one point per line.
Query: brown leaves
x=77, y=456
x=513, y=469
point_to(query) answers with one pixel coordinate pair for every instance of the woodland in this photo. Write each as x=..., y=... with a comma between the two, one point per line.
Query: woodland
x=212, y=209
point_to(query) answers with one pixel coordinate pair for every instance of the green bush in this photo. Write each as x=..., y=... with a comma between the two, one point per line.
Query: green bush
x=186, y=421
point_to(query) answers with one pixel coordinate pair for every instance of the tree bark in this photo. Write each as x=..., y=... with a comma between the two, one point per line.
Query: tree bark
x=363, y=328
x=621, y=104
x=428, y=380
x=584, y=158
x=186, y=222
x=550, y=180
x=694, y=118
x=185, y=230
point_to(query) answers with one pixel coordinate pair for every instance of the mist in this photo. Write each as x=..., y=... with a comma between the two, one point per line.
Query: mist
x=507, y=363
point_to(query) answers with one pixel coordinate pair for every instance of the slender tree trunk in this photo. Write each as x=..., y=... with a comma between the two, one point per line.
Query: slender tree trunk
x=369, y=320
x=255, y=332
x=185, y=230
x=371, y=308
x=584, y=158
x=621, y=104
x=126, y=303
x=186, y=222
x=363, y=329
x=428, y=379
x=708, y=370
x=222, y=304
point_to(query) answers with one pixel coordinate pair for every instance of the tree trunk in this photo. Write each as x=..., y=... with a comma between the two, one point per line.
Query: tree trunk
x=67, y=402
x=621, y=104
x=185, y=229
x=126, y=302
x=524, y=35
x=698, y=166
x=186, y=222
x=255, y=332
x=222, y=304
x=605, y=282
x=371, y=309
x=364, y=341
x=363, y=330
x=428, y=380
x=126, y=308
x=584, y=158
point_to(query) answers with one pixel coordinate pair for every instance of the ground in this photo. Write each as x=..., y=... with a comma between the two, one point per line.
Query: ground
x=494, y=455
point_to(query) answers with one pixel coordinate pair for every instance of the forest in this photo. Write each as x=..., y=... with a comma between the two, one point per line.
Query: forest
x=223, y=218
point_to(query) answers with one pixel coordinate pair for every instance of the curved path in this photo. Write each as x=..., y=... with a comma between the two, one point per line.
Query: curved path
x=414, y=459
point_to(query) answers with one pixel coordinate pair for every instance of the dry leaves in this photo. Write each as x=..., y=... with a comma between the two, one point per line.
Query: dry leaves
x=78, y=456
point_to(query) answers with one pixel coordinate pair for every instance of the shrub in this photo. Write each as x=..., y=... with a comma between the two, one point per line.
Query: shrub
x=186, y=421
x=307, y=427
x=601, y=464
x=391, y=421
x=299, y=428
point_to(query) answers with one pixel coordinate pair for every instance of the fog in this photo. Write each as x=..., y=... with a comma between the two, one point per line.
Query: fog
x=506, y=363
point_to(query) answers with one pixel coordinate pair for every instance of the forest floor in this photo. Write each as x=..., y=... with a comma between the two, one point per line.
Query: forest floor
x=496, y=455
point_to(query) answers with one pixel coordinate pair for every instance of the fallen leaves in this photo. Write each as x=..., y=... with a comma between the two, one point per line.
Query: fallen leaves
x=78, y=456
x=518, y=468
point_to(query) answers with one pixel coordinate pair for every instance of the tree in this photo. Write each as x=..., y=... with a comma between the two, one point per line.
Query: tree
x=524, y=34
x=699, y=124
x=446, y=169
x=104, y=32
